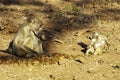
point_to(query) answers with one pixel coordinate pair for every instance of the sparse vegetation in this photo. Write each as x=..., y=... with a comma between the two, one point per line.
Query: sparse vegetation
x=72, y=8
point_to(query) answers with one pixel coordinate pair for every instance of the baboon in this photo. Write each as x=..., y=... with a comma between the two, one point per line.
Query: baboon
x=98, y=44
x=28, y=40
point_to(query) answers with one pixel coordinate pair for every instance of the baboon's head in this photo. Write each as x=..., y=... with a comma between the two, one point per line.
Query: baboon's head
x=43, y=35
x=36, y=24
x=38, y=30
x=94, y=35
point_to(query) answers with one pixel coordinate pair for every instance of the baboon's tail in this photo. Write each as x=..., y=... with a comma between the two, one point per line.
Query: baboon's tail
x=6, y=51
x=9, y=50
x=3, y=51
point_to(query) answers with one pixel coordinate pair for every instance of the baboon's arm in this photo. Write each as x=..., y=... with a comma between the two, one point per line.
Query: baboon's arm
x=40, y=35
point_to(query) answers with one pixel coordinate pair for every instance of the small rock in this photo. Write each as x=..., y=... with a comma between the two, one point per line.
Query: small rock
x=74, y=49
x=100, y=61
x=115, y=49
x=104, y=75
x=116, y=66
x=52, y=77
x=62, y=60
x=78, y=33
x=90, y=71
x=80, y=60
x=74, y=78
x=2, y=27
x=35, y=62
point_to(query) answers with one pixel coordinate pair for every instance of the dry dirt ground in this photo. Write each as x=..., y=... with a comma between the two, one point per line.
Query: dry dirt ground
x=71, y=22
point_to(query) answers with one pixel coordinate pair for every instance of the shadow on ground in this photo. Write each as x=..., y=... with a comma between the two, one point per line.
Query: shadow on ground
x=11, y=59
x=84, y=46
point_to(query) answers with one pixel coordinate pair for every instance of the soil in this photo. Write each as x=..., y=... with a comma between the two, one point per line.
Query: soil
x=71, y=23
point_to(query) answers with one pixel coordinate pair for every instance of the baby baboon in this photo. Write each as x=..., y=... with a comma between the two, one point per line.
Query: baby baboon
x=43, y=35
x=98, y=44
x=26, y=42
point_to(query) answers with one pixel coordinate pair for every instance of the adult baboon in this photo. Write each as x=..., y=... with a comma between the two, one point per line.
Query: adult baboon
x=28, y=40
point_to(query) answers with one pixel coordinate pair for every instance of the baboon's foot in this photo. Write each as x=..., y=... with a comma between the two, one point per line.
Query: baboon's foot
x=48, y=54
x=30, y=55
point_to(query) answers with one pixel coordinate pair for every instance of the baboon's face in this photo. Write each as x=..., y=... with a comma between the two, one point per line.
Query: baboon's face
x=94, y=35
x=47, y=35
x=43, y=35
x=36, y=25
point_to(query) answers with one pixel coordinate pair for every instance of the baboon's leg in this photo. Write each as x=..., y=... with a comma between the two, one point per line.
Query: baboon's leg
x=90, y=50
x=38, y=48
x=37, y=43
x=45, y=49
x=26, y=41
x=27, y=51
x=99, y=50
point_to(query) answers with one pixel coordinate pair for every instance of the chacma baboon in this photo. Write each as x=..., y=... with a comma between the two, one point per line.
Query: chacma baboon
x=98, y=44
x=28, y=40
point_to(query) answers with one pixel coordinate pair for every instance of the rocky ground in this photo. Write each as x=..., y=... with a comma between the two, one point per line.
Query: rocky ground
x=71, y=22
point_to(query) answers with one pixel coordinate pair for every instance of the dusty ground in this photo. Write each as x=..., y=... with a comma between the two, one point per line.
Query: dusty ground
x=71, y=21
